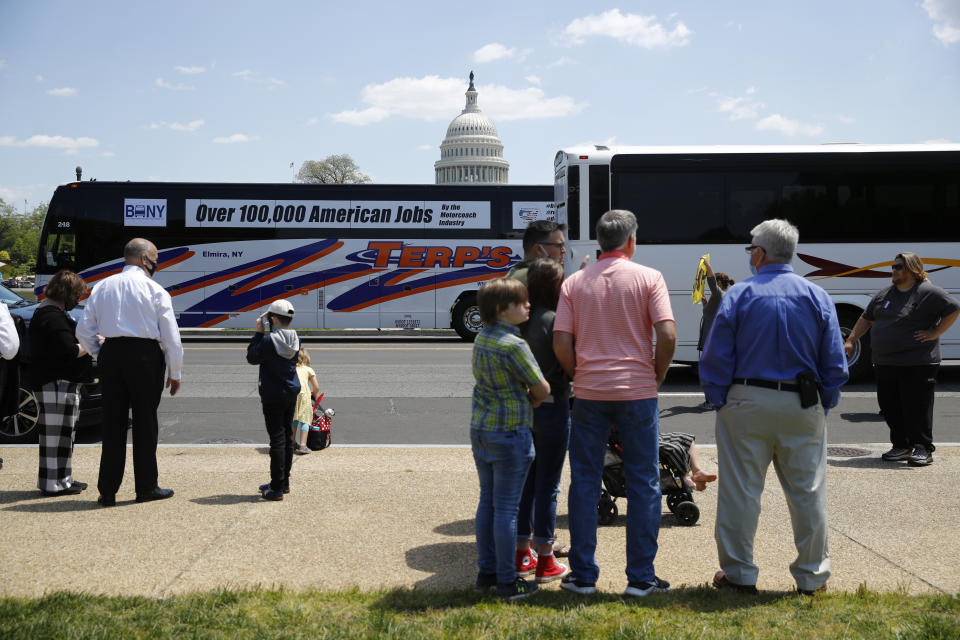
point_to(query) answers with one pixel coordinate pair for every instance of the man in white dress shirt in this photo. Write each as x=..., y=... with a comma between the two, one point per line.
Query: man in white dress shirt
x=134, y=315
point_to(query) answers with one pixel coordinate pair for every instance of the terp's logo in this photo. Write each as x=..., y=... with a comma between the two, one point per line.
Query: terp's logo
x=140, y=212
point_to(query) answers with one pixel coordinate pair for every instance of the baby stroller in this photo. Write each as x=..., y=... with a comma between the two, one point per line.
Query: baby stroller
x=678, y=494
x=319, y=436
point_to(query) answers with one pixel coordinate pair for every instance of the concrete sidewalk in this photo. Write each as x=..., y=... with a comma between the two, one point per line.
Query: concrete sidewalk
x=404, y=518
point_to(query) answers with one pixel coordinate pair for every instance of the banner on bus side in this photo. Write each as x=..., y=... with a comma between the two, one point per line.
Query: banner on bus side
x=526, y=212
x=338, y=214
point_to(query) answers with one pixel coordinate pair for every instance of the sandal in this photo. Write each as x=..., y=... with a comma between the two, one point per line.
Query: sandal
x=721, y=581
x=561, y=550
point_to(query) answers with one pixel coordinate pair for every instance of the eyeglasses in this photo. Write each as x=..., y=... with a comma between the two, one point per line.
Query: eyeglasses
x=896, y=266
x=754, y=246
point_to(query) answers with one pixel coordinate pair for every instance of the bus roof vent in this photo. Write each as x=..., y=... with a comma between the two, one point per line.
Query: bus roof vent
x=602, y=147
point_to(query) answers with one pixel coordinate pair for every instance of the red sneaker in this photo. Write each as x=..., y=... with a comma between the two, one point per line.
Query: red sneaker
x=526, y=563
x=549, y=569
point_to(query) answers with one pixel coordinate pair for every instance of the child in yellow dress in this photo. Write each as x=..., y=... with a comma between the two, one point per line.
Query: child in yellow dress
x=303, y=414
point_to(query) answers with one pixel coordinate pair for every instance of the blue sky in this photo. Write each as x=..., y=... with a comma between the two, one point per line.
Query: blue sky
x=236, y=91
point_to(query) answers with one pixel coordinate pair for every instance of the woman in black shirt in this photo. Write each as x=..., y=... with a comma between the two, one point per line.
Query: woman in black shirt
x=58, y=364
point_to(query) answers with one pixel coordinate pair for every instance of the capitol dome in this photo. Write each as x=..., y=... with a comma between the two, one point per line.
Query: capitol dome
x=471, y=153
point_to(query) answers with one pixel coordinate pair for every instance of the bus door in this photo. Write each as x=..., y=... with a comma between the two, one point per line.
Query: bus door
x=351, y=300
x=408, y=298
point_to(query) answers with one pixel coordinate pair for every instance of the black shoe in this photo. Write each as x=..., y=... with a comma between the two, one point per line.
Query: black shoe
x=80, y=485
x=69, y=491
x=270, y=494
x=517, y=589
x=921, y=457
x=486, y=582
x=107, y=501
x=156, y=494
x=812, y=592
x=266, y=487
x=641, y=589
x=897, y=453
x=570, y=583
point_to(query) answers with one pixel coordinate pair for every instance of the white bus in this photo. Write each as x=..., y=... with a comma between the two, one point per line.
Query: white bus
x=346, y=256
x=856, y=206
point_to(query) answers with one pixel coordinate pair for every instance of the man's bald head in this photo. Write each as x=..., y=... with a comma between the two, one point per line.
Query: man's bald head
x=136, y=248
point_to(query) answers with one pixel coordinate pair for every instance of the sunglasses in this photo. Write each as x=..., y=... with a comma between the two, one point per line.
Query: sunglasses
x=754, y=246
x=897, y=267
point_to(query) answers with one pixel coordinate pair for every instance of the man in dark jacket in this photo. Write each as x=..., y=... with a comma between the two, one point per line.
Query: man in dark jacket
x=276, y=353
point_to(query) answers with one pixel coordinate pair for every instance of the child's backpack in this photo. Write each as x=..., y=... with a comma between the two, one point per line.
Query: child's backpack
x=319, y=436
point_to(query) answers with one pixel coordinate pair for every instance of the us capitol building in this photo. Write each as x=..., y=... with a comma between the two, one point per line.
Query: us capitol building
x=472, y=152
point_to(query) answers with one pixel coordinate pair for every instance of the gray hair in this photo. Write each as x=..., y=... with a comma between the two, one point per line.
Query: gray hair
x=614, y=228
x=778, y=238
x=136, y=248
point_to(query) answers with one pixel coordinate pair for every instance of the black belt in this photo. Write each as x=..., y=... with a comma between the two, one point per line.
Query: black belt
x=768, y=384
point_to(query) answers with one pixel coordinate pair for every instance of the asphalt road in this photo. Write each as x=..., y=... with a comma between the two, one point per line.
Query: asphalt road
x=417, y=391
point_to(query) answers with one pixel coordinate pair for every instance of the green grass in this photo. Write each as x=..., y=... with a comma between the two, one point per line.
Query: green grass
x=354, y=614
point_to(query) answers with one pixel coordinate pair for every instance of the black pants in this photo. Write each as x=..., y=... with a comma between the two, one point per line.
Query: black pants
x=278, y=417
x=905, y=395
x=131, y=376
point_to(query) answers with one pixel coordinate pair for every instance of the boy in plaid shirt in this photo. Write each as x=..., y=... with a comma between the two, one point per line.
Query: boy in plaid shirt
x=508, y=385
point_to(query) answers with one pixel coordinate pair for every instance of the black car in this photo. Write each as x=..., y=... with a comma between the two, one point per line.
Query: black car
x=21, y=427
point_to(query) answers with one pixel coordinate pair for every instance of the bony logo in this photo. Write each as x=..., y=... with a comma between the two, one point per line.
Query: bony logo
x=141, y=212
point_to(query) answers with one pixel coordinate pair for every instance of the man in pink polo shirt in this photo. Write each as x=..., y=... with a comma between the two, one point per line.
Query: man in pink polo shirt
x=607, y=317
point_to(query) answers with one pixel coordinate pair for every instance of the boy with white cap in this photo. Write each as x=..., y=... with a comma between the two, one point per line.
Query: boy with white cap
x=274, y=347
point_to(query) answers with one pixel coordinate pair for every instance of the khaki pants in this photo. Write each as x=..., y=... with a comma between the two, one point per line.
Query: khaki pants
x=755, y=427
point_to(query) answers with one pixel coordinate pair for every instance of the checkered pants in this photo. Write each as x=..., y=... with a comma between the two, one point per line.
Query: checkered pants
x=59, y=409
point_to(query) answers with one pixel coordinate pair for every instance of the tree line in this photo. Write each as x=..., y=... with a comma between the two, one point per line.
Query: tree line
x=20, y=237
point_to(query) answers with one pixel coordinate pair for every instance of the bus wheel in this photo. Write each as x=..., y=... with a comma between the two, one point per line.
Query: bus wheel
x=466, y=317
x=21, y=427
x=859, y=362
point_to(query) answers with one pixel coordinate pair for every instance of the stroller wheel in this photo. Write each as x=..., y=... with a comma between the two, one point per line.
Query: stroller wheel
x=688, y=513
x=674, y=499
x=607, y=512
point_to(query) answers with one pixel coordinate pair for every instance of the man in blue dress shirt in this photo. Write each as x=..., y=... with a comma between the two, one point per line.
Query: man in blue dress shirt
x=771, y=331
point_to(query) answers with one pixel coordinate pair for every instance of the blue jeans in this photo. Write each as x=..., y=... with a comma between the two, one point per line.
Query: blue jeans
x=638, y=426
x=538, y=505
x=502, y=459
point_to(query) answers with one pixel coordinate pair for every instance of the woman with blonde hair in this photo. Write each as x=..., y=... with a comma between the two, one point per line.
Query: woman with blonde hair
x=58, y=366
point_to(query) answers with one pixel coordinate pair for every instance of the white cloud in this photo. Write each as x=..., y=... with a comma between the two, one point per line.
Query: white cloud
x=640, y=31
x=845, y=119
x=424, y=147
x=189, y=70
x=313, y=121
x=163, y=84
x=741, y=108
x=237, y=137
x=17, y=193
x=493, y=51
x=50, y=142
x=560, y=62
x=176, y=126
x=108, y=154
x=255, y=77
x=433, y=98
x=776, y=122
x=38, y=78
x=945, y=15
x=63, y=92
x=533, y=80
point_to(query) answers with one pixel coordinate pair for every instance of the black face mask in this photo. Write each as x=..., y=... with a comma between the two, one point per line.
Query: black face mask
x=152, y=267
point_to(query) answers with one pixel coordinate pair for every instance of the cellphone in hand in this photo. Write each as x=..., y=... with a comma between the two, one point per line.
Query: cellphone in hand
x=266, y=322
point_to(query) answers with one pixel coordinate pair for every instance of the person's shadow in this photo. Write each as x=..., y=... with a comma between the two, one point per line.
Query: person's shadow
x=225, y=499
x=452, y=565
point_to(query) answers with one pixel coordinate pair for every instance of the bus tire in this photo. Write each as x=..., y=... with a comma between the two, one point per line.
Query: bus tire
x=465, y=317
x=860, y=362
